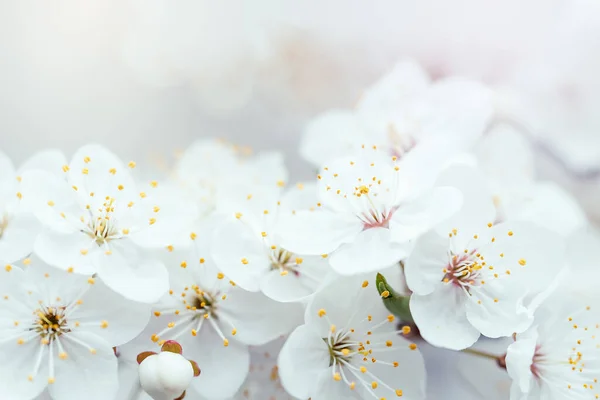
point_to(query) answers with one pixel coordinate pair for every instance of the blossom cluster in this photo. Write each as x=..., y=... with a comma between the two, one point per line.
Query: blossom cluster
x=425, y=223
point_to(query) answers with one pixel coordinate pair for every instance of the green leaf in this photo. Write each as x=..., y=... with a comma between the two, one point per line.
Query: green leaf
x=395, y=302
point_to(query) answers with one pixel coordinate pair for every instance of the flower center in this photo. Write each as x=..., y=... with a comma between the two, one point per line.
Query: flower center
x=341, y=349
x=50, y=324
x=464, y=270
x=102, y=228
x=284, y=261
x=200, y=309
x=204, y=303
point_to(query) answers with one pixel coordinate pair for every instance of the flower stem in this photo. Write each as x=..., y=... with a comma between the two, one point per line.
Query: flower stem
x=500, y=359
x=481, y=354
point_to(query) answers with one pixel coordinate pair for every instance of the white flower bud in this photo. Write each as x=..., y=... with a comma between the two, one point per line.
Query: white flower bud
x=165, y=376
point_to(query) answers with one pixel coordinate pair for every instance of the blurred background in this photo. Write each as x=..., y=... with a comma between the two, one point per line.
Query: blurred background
x=148, y=77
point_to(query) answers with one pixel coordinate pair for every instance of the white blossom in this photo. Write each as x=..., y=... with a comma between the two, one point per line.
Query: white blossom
x=59, y=330
x=349, y=348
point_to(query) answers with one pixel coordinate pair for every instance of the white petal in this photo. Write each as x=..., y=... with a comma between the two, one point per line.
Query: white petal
x=292, y=287
x=240, y=253
x=104, y=172
x=48, y=195
x=424, y=267
x=65, y=251
x=46, y=160
x=257, y=318
x=394, y=89
x=519, y=356
x=417, y=217
x=126, y=319
x=408, y=376
x=18, y=237
x=83, y=374
x=541, y=208
x=441, y=318
x=327, y=388
x=16, y=363
x=223, y=369
x=7, y=169
x=370, y=251
x=477, y=208
x=303, y=357
x=496, y=309
x=317, y=232
x=142, y=280
x=331, y=135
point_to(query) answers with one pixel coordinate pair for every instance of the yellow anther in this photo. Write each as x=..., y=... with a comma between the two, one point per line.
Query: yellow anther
x=365, y=284
x=299, y=260
x=412, y=346
x=131, y=164
x=225, y=342
x=244, y=261
x=152, y=221
x=406, y=330
x=522, y=262
x=385, y=294
x=337, y=376
x=50, y=203
x=321, y=312
x=153, y=184
x=363, y=369
x=220, y=275
x=91, y=281
x=104, y=324
x=65, y=168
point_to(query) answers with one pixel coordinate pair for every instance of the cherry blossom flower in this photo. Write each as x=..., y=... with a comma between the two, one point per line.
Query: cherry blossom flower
x=350, y=349
x=516, y=193
x=370, y=207
x=247, y=247
x=215, y=321
x=470, y=276
x=18, y=226
x=58, y=332
x=399, y=111
x=210, y=170
x=98, y=221
x=557, y=358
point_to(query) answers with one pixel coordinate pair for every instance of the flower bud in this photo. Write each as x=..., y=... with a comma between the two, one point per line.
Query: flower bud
x=166, y=375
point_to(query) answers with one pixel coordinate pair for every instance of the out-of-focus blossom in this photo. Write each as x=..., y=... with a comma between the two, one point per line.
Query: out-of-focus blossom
x=399, y=111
